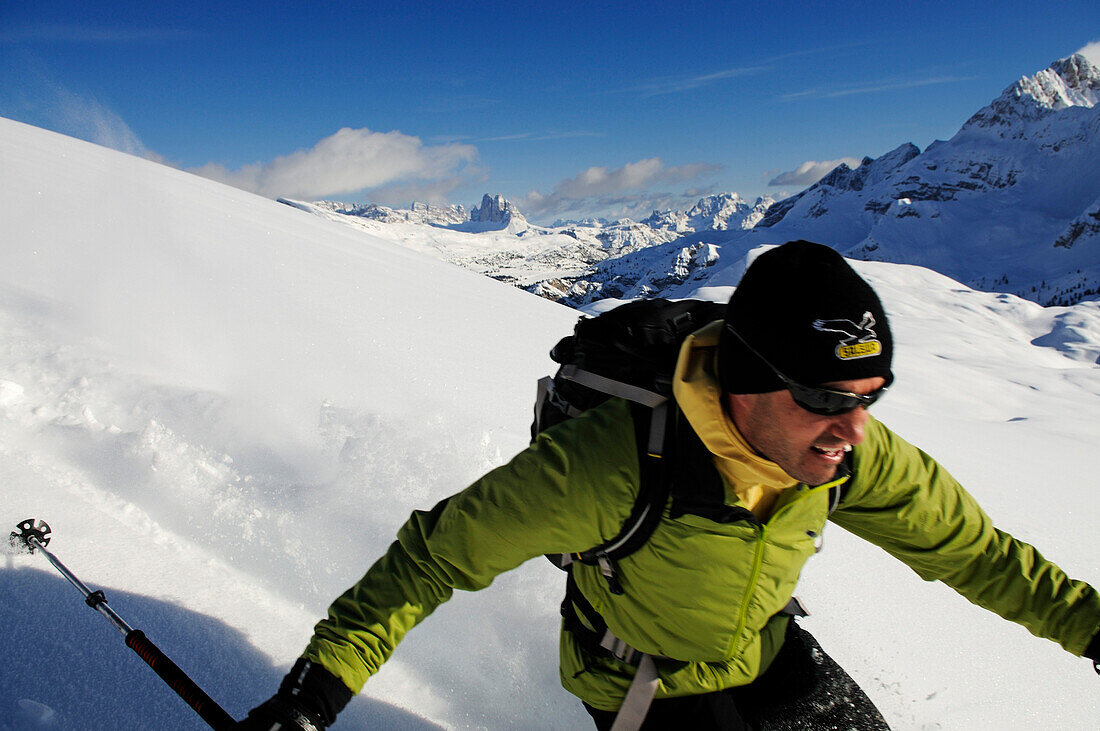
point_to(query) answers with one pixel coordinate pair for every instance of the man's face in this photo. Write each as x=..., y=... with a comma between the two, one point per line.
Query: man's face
x=808, y=446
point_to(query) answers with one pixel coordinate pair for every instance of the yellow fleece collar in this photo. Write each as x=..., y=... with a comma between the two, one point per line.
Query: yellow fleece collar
x=757, y=482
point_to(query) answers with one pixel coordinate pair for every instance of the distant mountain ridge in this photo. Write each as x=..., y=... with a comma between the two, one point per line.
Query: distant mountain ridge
x=419, y=213
x=1010, y=203
x=572, y=262
x=713, y=213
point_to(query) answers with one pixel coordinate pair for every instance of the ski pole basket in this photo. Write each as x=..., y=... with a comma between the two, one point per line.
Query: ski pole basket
x=34, y=535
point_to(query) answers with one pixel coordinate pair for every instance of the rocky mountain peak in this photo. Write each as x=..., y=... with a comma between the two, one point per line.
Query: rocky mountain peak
x=1082, y=78
x=719, y=212
x=841, y=181
x=495, y=209
x=716, y=203
x=1069, y=82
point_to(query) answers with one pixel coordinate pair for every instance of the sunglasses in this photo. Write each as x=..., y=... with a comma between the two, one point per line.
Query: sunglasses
x=821, y=401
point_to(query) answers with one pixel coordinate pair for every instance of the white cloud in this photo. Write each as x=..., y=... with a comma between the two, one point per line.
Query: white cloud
x=348, y=161
x=597, y=181
x=614, y=192
x=635, y=206
x=812, y=171
x=1092, y=53
x=600, y=180
x=438, y=192
x=620, y=192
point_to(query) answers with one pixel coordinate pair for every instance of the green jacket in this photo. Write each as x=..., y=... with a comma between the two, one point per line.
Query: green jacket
x=704, y=593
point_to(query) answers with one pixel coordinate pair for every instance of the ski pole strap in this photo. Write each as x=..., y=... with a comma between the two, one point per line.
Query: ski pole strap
x=177, y=680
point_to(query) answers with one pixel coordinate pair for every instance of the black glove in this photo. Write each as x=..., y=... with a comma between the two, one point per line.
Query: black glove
x=276, y=714
x=1092, y=652
x=308, y=700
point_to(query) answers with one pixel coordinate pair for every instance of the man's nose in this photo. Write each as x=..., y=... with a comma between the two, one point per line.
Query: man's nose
x=849, y=426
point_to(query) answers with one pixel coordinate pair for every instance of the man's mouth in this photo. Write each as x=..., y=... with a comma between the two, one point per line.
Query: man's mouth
x=833, y=455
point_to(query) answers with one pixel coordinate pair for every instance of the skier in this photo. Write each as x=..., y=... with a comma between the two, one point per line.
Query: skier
x=697, y=629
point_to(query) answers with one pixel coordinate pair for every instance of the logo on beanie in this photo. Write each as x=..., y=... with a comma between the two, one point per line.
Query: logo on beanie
x=861, y=340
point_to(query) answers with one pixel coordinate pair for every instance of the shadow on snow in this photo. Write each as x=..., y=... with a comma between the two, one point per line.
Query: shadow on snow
x=66, y=667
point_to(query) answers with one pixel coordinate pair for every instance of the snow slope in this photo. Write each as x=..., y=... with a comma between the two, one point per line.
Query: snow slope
x=225, y=407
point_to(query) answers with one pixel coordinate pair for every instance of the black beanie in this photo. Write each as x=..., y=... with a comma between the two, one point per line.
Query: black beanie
x=803, y=308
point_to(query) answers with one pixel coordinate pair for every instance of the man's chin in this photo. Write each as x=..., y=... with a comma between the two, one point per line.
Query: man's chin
x=815, y=475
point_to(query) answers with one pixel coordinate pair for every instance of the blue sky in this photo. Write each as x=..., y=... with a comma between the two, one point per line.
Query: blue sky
x=569, y=109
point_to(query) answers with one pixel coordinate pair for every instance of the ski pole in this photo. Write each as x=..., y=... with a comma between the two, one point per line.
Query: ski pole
x=34, y=534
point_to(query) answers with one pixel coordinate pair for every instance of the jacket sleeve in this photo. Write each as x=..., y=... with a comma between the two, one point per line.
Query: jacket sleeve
x=902, y=500
x=542, y=501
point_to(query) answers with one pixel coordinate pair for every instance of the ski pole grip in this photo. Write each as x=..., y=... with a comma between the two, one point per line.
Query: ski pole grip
x=177, y=680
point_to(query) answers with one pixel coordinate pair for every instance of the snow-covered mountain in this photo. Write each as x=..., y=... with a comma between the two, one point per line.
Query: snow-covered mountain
x=1011, y=203
x=225, y=408
x=565, y=262
x=419, y=213
x=713, y=213
x=575, y=263
x=505, y=247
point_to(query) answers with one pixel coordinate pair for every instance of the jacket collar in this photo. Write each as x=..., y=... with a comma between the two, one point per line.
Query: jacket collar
x=754, y=480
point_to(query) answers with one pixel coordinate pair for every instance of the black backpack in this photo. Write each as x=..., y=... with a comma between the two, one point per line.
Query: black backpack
x=628, y=352
x=631, y=352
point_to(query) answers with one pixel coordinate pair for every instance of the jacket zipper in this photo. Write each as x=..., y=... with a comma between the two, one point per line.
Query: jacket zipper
x=761, y=530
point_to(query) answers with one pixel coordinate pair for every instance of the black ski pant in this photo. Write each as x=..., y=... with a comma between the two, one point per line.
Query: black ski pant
x=802, y=689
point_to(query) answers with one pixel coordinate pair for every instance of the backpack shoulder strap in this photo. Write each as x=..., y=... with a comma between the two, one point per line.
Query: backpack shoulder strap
x=697, y=488
x=651, y=433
